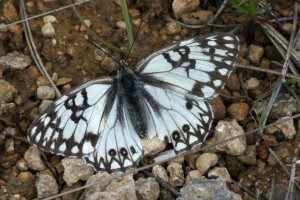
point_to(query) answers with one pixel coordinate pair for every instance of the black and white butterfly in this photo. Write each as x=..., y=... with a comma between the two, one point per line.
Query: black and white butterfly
x=104, y=120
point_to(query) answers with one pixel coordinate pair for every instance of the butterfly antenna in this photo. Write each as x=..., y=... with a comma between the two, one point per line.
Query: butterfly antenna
x=101, y=49
x=135, y=38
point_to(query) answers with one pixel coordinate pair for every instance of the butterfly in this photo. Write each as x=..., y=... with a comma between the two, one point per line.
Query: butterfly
x=103, y=121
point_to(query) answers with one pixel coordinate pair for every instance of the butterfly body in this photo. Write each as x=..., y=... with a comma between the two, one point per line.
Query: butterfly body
x=103, y=121
x=130, y=96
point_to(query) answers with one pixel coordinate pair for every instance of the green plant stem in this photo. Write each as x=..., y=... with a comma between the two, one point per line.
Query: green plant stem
x=128, y=24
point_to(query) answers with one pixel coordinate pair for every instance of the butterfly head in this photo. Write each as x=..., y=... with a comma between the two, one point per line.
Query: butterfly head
x=122, y=68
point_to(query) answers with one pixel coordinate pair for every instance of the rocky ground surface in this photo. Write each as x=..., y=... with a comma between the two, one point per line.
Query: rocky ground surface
x=237, y=169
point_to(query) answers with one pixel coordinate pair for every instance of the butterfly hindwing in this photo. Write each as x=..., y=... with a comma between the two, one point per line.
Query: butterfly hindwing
x=120, y=147
x=179, y=119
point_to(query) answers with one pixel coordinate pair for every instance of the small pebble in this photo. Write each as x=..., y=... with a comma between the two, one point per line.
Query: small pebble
x=10, y=131
x=233, y=83
x=122, y=188
x=19, y=101
x=219, y=172
x=286, y=127
x=160, y=172
x=41, y=81
x=238, y=111
x=87, y=22
x=99, y=54
x=53, y=42
x=46, y=186
x=191, y=160
x=71, y=50
x=15, y=197
x=205, y=161
x=173, y=28
x=181, y=7
x=285, y=152
x=147, y=189
x=9, y=11
x=197, y=18
x=179, y=160
x=272, y=53
x=176, y=174
x=67, y=88
x=14, y=181
x=9, y=146
x=48, y=30
x=153, y=146
x=54, y=77
x=218, y=107
x=288, y=27
x=165, y=194
x=252, y=83
x=236, y=196
x=15, y=60
x=49, y=19
x=3, y=28
x=75, y=194
x=249, y=157
x=45, y=92
x=7, y=92
x=16, y=29
x=284, y=105
x=63, y=81
x=109, y=64
x=223, y=131
x=271, y=130
x=32, y=72
x=194, y=174
x=205, y=189
x=121, y=25
x=255, y=53
x=33, y=159
x=45, y=104
x=75, y=170
x=105, y=181
x=25, y=176
x=22, y=165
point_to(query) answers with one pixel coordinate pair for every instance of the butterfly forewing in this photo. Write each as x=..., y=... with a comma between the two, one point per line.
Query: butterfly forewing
x=169, y=89
x=70, y=126
x=199, y=66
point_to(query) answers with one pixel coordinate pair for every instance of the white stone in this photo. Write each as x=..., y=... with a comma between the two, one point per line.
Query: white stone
x=48, y=30
x=49, y=19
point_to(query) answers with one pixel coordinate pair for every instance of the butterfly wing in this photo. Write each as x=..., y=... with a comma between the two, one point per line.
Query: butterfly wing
x=69, y=126
x=199, y=66
x=120, y=147
x=89, y=122
x=178, y=80
x=176, y=118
